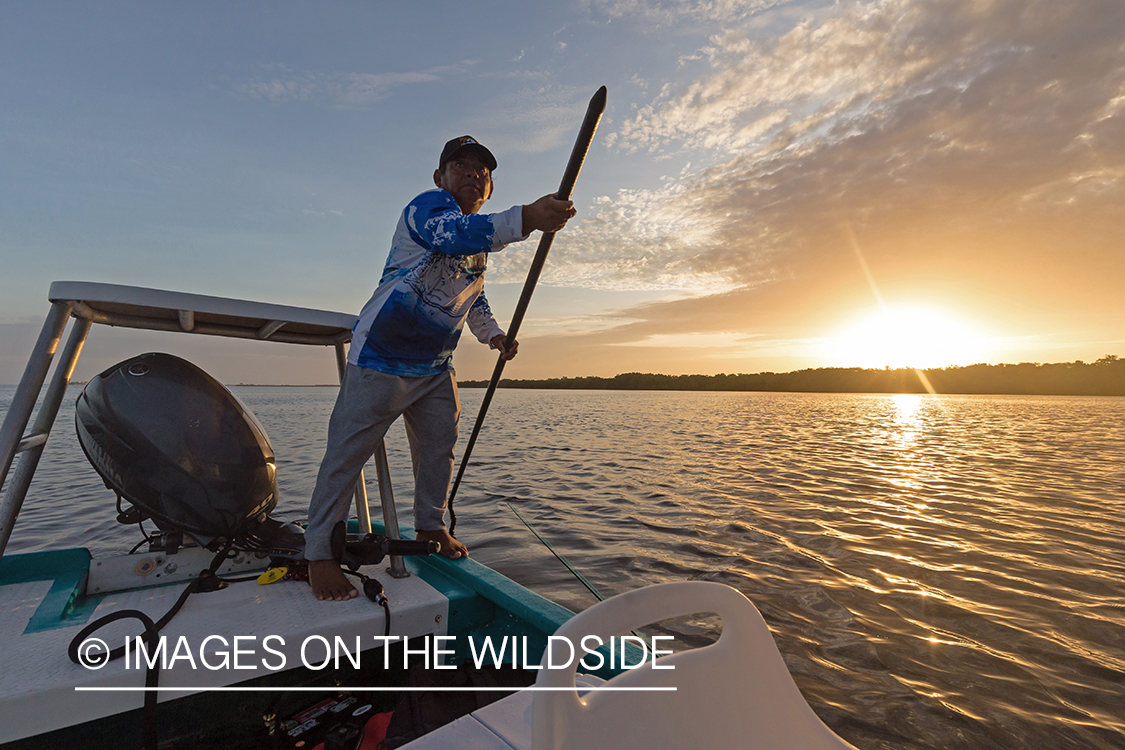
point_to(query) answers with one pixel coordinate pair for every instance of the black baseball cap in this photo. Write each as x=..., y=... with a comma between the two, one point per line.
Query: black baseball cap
x=467, y=143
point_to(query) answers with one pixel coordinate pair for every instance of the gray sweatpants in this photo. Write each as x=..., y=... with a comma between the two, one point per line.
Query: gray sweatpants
x=368, y=403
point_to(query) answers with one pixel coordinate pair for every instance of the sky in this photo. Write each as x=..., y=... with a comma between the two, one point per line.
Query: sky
x=775, y=184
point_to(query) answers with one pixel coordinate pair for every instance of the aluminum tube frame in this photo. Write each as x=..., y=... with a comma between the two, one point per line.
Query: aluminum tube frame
x=44, y=420
x=27, y=393
x=390, y=515
x=82, y=310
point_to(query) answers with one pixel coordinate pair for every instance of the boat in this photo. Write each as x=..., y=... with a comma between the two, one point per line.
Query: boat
x=220, y=642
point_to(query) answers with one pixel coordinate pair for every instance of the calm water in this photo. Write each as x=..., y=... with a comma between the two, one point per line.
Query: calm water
x=939, y=572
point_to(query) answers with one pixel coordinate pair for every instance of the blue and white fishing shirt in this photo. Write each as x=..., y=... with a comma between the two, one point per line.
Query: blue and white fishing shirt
x=433, y=282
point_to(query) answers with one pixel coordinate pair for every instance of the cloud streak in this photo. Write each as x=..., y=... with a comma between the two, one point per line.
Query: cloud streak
x=668, y=13
x=280, y=85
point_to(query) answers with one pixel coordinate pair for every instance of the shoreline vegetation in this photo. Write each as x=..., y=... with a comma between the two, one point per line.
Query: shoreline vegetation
x=1105, y=377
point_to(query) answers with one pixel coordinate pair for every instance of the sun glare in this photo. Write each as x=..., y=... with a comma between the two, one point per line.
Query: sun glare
x=906, y=337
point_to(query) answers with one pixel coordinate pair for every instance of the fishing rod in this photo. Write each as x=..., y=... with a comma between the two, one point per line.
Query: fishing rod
x=582, y=579
x=570, y=176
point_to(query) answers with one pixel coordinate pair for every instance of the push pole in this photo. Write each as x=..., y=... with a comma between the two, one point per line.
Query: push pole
x=570, y=176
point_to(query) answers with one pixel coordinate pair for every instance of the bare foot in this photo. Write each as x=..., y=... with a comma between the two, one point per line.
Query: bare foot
x=329, y=582
x=450, y=547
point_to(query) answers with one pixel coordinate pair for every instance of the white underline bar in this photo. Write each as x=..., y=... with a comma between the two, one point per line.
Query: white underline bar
x=236, y=689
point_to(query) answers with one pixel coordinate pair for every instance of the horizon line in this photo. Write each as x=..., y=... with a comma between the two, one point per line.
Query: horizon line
x=885, y=368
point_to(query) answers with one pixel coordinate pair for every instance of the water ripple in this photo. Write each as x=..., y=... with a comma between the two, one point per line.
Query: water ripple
x=938, y=572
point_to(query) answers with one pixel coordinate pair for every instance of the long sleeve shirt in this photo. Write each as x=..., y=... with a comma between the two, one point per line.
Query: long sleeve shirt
x=432, y=284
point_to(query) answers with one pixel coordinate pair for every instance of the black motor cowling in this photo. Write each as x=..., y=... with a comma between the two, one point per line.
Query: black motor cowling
x=179, y=446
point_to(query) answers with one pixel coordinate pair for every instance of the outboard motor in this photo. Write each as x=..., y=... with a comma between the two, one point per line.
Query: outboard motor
x=179, y=446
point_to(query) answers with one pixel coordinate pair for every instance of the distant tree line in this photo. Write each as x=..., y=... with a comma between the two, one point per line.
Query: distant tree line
x=1106, y=377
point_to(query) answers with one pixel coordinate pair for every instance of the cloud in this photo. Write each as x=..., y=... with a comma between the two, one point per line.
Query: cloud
x=535, y=118
x=856, y=63
x=667, y=13
x=962, y=135
x=281, y=85
x=310, y=210
x=639, y=239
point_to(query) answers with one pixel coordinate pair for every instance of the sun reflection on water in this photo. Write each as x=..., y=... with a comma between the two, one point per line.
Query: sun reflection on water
x=905, y=428
x=907, y=415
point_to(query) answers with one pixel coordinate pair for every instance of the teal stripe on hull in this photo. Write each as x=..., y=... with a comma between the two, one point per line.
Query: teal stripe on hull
x=66, y=604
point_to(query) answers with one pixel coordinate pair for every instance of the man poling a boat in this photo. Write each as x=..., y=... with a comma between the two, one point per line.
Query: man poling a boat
x=400, y=359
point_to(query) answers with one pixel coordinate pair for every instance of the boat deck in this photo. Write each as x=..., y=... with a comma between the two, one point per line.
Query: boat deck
x=47, y=598
x=42, y=608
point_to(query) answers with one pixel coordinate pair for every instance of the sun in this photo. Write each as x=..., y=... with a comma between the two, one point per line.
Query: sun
x=917, y=337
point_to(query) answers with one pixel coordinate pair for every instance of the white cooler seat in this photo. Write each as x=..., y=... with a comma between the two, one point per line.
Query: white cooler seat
x=733, y=693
